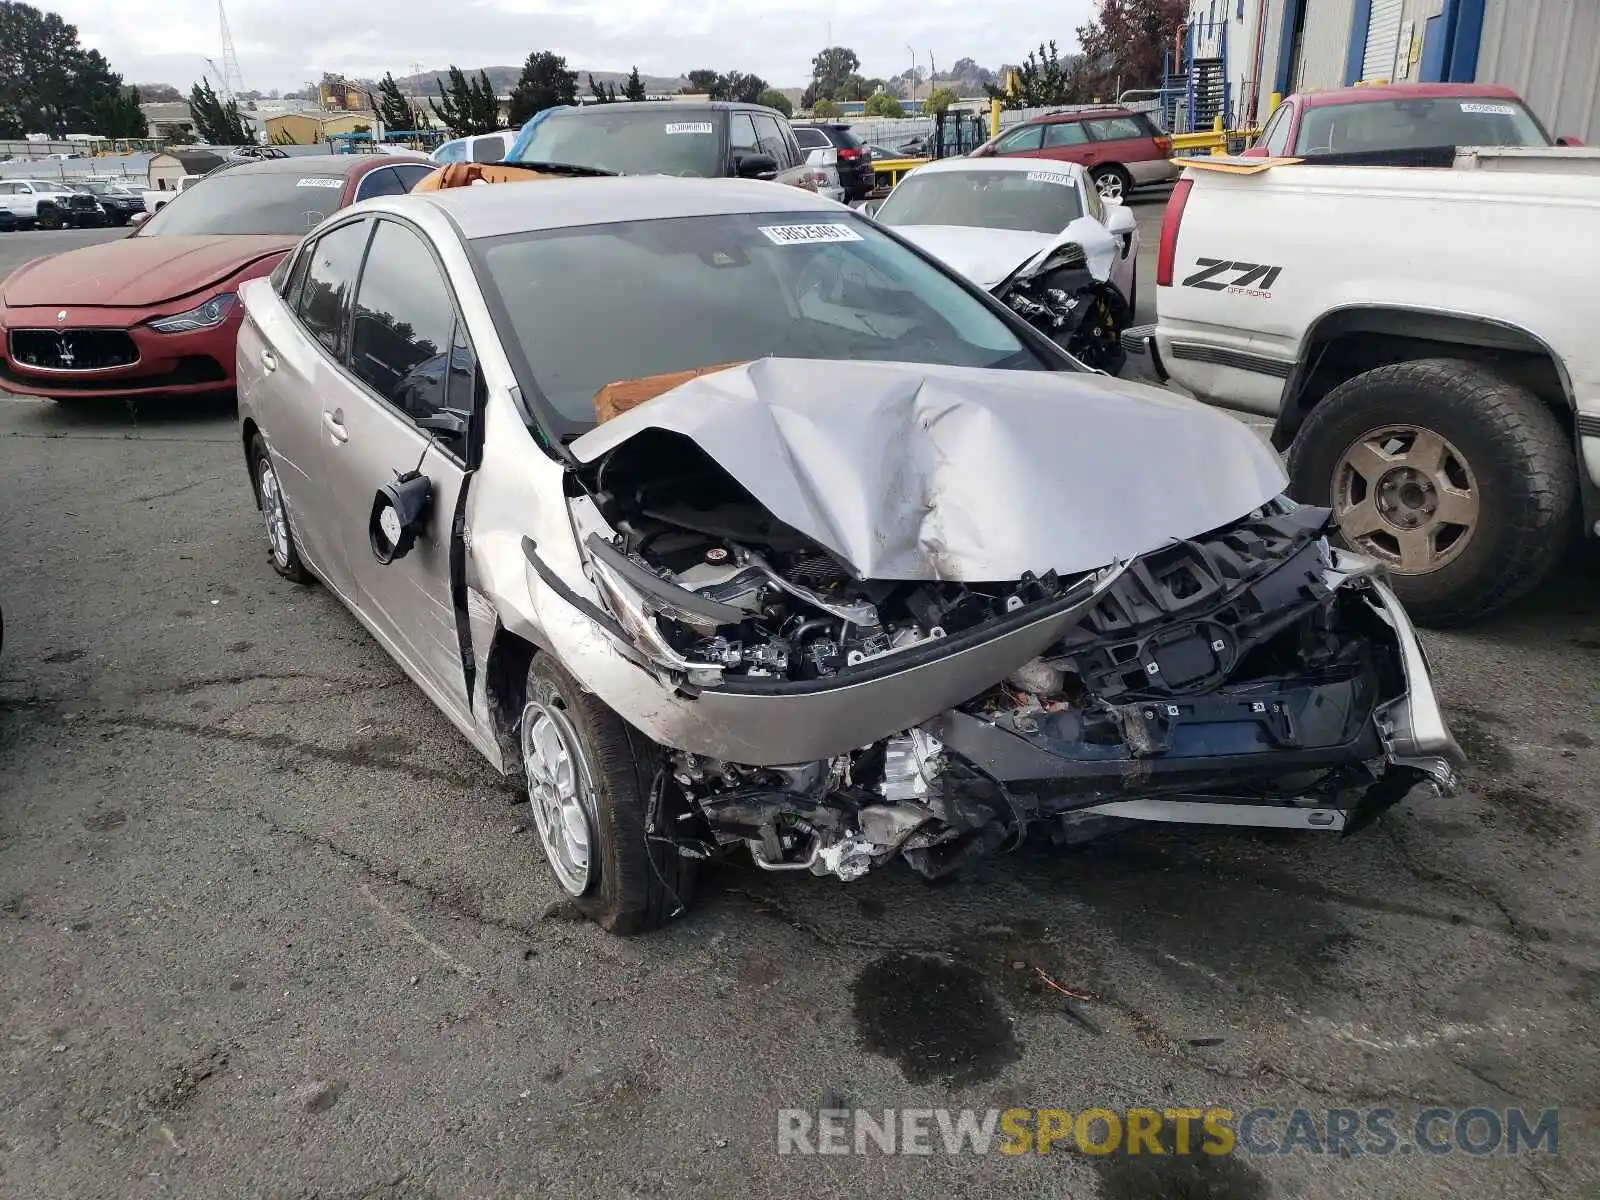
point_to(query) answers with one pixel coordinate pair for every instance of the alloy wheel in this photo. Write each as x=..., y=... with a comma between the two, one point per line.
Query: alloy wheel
x=561, y=794
x=273, y=511
x=1406, y=496
x=1109, y=186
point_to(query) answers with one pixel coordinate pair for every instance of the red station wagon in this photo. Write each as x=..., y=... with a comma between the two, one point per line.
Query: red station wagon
x=1121, y=149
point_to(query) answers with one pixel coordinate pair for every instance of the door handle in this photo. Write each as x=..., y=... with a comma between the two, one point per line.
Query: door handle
x=269, y=361
x=333, y=422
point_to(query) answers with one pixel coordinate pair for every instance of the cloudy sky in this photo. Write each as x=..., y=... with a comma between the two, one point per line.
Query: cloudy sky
x=285, y=43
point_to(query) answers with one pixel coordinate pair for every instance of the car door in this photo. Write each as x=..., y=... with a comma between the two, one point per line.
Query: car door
x=10, y=199
x=290, y=370
x=402, y=403
x=1066, y=141
x=1025, y=141
x=1123, y=140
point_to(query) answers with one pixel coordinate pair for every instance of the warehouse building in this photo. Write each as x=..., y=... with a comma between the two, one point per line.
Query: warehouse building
x=1234, y=54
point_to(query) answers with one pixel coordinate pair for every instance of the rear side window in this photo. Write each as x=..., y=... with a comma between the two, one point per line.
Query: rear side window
x=1113, y=129
x=1065, y=133
x=381, y=182
x=330, y=278
x=412, y=174
x=1020, y=140
x=811, y=139
x=845, y=138
x=489, y=148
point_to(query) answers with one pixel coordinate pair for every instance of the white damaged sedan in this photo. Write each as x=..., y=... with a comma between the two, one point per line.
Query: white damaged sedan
x=1037, y=235
x=728, y=521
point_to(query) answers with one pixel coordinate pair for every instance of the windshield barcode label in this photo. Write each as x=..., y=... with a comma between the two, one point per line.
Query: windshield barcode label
x=323, y=181
x=803, y=235
x=689, y=127
x=1055, y=177
x=1493, y=110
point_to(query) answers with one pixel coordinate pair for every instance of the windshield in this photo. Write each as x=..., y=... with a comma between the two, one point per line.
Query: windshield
x=106, y=189
x=594, y=305
x=1417, y=124
x=1041, y=201
x=286, y=202
x=669, y=141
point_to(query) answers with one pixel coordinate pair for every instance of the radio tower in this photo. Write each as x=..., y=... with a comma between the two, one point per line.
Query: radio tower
x=232, y=81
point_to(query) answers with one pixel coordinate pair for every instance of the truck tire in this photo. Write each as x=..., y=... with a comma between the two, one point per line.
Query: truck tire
x=589, y=777
x=51, y=217
x=1460, y=481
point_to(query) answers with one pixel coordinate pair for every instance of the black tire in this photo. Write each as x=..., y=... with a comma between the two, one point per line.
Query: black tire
x=1524, y=467
x=1123, y=181
x=287, y=562
x=636, y=886
x=50, y=217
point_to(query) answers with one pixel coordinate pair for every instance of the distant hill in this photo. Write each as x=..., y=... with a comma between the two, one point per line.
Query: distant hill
x=505, y=78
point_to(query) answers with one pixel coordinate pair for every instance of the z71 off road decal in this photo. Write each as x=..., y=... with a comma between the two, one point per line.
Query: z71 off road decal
x=1253, y=279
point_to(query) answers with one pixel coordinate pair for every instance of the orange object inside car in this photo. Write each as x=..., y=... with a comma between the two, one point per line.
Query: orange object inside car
x=454, y=175
x=620, y=395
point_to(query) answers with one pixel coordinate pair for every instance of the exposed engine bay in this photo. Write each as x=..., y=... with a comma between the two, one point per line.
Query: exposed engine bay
x=1063, y=300
x=1251, y=675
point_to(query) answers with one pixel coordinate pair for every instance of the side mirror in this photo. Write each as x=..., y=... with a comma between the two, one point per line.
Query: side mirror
x=399, y=512
x=756, y=166
x=1120, y=219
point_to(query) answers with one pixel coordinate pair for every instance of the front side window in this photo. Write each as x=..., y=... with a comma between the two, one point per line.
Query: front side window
x=1019, y=141
x=1043, y=201
x=742, y=137
x=657, y=139
x=241, y=200
x=705, y=291
x=1417, y=124
x=1277, y=127
x=323, y=302
x=491, y=147
x=403, y=326
x=771, y=140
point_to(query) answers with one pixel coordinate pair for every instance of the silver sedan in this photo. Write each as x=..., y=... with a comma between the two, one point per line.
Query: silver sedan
x=726, y=519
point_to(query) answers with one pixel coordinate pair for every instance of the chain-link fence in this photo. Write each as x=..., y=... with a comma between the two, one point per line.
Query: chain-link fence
x=133, y=168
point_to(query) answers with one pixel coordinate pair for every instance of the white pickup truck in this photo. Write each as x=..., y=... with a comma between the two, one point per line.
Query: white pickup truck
x=1426, y=340
x=155, y=199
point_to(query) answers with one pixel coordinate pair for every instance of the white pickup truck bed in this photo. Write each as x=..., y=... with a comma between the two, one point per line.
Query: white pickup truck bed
x=1451, y=305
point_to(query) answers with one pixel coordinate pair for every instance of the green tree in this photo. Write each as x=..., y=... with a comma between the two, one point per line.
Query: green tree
x=602, y=93
x=938, y=100
x=773, y=98
x=215, y=122
x=736, y=85
x=883, y=105
x=395, y=110
x=545, y=83
x=826, y=109
x=634, y=88
x=1042, y=80
x=701, y=82
x=118, y=115
x=50, y=84
x=831, y=72
x=468, y=106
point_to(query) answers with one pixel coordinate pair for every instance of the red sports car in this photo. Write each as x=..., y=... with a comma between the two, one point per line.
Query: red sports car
x=157, y=312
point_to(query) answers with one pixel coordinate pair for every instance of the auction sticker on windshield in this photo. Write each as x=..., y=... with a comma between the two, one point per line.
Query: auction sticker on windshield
x=320, y=181
x=804, y=235
x=689, y=127
x=1055, y=177
x=1493, y=110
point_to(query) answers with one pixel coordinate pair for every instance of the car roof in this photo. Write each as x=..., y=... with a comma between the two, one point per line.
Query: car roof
x=480, y=212
x=313, y=164
x=1077, y=114
x=1405, y=91
x=943, y=166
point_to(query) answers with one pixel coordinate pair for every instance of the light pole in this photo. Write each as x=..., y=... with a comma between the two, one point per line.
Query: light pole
x=913, y=84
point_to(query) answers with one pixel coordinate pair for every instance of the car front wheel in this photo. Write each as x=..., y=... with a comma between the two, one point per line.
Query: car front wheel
x=1458, y=480
x=589, y=777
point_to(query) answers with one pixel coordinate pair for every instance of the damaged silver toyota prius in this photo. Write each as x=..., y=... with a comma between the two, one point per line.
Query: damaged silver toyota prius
x=727, y=519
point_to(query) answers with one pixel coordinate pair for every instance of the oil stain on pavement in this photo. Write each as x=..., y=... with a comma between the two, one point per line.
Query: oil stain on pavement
x=1173, y=1176
x=937, y=1019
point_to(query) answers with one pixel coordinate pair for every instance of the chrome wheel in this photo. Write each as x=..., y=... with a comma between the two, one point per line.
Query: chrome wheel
x=561, y=794
x=273, y=511
x=1407, y=497
x=1109, y=185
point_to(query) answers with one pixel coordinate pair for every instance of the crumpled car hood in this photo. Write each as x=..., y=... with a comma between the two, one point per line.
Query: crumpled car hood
x=915, y=472
x=990, y=256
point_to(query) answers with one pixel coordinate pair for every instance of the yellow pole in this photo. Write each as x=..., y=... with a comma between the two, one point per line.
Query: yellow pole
x=994, y=118
x=1273, y=102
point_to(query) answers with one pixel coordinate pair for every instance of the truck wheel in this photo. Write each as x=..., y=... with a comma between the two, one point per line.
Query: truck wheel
x=589, y=777
x=1113, y=183
x=1458, y=480
x=50, y=217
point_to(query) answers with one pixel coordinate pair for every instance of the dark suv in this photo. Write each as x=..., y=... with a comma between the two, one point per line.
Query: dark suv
x=697, y=138
x=855, y=160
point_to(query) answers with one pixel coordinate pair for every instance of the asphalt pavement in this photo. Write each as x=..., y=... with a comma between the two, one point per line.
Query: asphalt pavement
x=269, y=927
